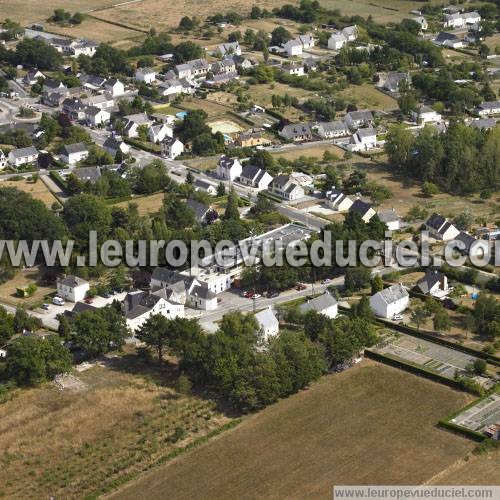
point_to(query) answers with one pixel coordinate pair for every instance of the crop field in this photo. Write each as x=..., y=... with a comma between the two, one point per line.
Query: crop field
x=146, y=204
x=29, y=11
x=313, y=151
x=67, y=443
x=367, y=96
x=357, y=427
x=37, y=190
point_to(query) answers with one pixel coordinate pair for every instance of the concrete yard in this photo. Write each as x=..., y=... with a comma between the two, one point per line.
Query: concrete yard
x=481, y=415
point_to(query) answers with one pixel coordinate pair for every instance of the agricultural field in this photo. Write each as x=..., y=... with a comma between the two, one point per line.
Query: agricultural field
x=66, y=443
x=366, y=96
x=37, y=190
x=347, y=428
x=493, y=42
x=98, y=31
x=312, y=151
x=29, y=11
x=22, y=279
x=146, y=204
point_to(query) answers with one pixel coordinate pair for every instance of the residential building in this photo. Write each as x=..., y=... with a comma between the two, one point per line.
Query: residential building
x=424, y=26
x=284, y=187
x=73, y=153
x=229, y=168
x=323, y=304
x=389, y=302
x=293, y=69
x=440, y=228
x=133, y=122
x=196, y=68
x=307, y=41
x=87, y=174
x=32, y=77
x=297, y=132
x=115, y=87
x=72, y=288
x=3, y=160
x=139, y=305
x=74, y=108
x=157, y=133
x=255, y=177
x=363, y=209
x=23, y=156
x=215, y=282
x=425, y=114
x=268, y=323
x=224, y=67
x=171, y=148
x=96, y=116
x=251, y=138
x=357, y=119
x=204, y=214
x=364, y=139
x=145, y=75
x=338, y=201
x=488, y=108
x=434, y=283
x=50, y=85
x=102, y=101
x=293, y=47
x=115, y=143
x=392, y=80
x=483, y=123
x=331, y=130
x=337, y=40
x=460, y=20
x=206, y=187
x=391, y=219
x=472, y=246
x=449, y=40
x=230, y=48
x=351, y=33
x=92, y=82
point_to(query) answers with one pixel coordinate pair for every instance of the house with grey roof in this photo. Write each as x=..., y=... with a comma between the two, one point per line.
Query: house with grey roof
x=392, y=80
x=389, y=302
x=324, y=304
x=255, y=177
x=206, y=187
x=204, y=214
x=337, y=40
x=425, y=114
x=72, y=288
x=363, y=139
x=391, y=219
x=23, y=156
x=434, y=283
x=268, y=323
x=229, y=168
x=297, y=132
x=483, y=123
x=472, y=246
x=293, y=47
x=73, y=153
x=145, y=75
x=351, y=33
x=87, y=174
x=357, y=119
x=171, y=147
x=364, y=209
x=338, y=201
x=115, y=143
x=229, y=48
x=448, y=40
x=440, y=228
x=330, y=130
x=285, y=187
x=488, y=108
x=133, y=122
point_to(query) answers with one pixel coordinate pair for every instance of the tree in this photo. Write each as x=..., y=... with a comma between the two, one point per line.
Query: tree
x=363, y=309
x=232, y=212
x=36, y=53
x=221, y=189
x=429, y=189
x=441, y=320
x=280, y=36
x=464, y=220
x=189, y=178
x=356, y=278
x=418, y=316
x=155, y=334
x=479, y=366
x=398, y=146
x=177, y=214
x=187, y=51
x=33, y=360
x=377, y=284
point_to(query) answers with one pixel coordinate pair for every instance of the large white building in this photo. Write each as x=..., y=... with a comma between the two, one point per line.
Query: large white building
x=229, y=168
x=72, y=288
x=390, y=301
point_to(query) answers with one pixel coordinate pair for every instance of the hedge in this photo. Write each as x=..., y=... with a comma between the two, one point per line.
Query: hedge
x=150, y=148
x=56, y=177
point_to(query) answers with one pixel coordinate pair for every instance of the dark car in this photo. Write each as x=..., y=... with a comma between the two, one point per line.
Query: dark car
x=272, y=294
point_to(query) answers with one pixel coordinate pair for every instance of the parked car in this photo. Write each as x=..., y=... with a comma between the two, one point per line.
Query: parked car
x=397, y=317
x=256, y=296
x=46, y=307
x=58, y=301
x=300, y=286
x=106, y=295
x=272, y=294
x=88, y=300
x=249, y=294
x=325, y=281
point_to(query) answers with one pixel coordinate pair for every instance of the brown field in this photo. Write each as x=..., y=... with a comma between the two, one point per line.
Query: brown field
x=21, y=280
x=98, y=31
x=358, y=427
x=37, y=190
x=405, y=195
x=313, y=151
x=492, y=42
x=456, y=57
x=146, y=204
x=367, y=96
x=29, y=11
x=64, y=444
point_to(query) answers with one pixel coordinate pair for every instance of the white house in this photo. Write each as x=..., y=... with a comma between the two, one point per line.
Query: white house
x=364, y=139
x=3, y=353
x=425, y=114
x=95, y=116
x=32, y=76
x=115, y=87
x=23, y=156
x=202, y=298
x=293, y=69
x=434, y=283
x=422, y=21
x=268, y=323
x=157, y=133
x=255, y=177
x=171, y=148
x=115, y=143
x=133, y=122
x=363, y=209
x=440, y=228
x=338, y=201
x=488, y=108
x=146, y=75
x=206, y=187
x=390, y=301
x=391, y=219
x=72, y=288
x=73, y=153
x=139, y=305
x=285, y=187
x=215, y=282
x=293, y=47
x=230, y=48
x=357, y=119
x=101, y=101
x=351, y=33
x=229, y=168
x=473, y=246
x=323, y=304
x=337, y=40
x=460, y=20
x=3, y=160
x=331, y=130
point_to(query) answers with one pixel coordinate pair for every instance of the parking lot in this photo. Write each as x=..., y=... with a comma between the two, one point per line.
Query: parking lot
x=481, y=415
x=442, y=360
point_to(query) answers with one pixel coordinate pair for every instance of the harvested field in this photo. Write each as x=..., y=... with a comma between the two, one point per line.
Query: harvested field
x=357, y=427
x=367, y=96
x=37, y=190
x=313, y=151
x=22, y=279
x=29, y=11
x=67, y=444
x=146, y=204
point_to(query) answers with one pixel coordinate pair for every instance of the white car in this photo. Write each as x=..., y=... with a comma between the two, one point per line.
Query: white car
x=58, y=301
x=397, y=317
x=256, y=296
